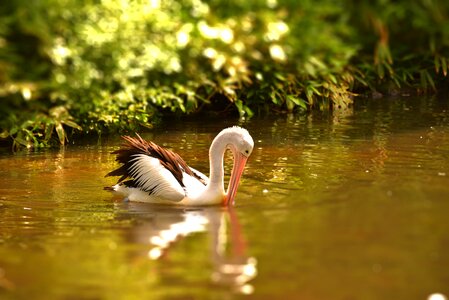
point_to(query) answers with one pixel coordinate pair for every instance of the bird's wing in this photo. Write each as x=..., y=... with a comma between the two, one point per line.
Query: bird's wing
x=151, y=176
x=200, y=176
x=153, y=169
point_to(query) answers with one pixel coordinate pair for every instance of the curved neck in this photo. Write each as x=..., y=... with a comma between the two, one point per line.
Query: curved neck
x=216, y=154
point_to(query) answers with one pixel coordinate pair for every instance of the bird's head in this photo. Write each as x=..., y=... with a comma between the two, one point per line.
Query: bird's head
x=240, y=142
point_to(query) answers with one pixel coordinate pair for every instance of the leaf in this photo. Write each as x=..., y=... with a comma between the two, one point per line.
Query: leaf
x=48, y=131
x=297, y=101
x=387, y=53
x=72, y=124
x=380, y=71
x=58, y=111
x=389, y=68
x=279, y=76
x=239, y=105
x=444, y=65
x=317, y=62
x=22, y=142
x=333, y=78
x=61, y=133
x=13, y=130
x=396, y=81
x=293, y=99
x=4, y=134
x=360, y=79
x=436, y=62
x=309, y=95
x=248, y=111
x=310, y=69
x=302, y=103
x=273, y=97
x=315, y=90
x=243, y=109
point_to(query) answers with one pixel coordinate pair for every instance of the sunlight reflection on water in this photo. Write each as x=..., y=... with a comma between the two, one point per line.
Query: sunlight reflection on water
x=228, y=249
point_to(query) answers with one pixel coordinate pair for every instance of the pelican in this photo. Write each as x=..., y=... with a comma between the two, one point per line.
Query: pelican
x=150, y=173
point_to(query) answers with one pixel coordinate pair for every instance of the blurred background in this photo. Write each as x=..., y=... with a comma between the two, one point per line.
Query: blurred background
x=113, y=65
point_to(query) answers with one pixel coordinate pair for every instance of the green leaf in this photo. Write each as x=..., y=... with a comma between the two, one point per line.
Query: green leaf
x=4, y=134
x=279, y=76
x=388, y=67
x=290, y=105
x=297, y=101
x=309, y=95
x=315, y=90
x=248, y=111
x=302, y=103
x=13, y=130
x=360, y=79
x=61, y=133
x=22, y=142
x=310, y=69
x=317, y=62
x=396, y=81
x=380, y=71
x=293, y=99
x=72, y=124
x=239, y=105
x=436, y=62
x=333, y=78
x=273, y=97
x=48, y=131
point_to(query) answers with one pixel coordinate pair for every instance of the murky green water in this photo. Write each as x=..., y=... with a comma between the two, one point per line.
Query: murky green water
x=349, y=205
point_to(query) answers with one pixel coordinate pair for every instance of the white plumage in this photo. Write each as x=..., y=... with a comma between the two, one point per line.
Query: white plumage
x=152, y=177
x=157, y=175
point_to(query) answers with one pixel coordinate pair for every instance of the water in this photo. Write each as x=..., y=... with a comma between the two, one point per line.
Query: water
x=352, y=204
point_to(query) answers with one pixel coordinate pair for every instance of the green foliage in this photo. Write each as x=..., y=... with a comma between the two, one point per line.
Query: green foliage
x=116, y=65
x=35, y=130
x=408, y=43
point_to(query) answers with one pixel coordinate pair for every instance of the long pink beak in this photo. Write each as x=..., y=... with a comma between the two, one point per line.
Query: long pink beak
x=237, y=170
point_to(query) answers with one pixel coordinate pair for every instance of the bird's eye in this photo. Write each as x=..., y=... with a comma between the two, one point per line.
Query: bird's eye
x=246, y=151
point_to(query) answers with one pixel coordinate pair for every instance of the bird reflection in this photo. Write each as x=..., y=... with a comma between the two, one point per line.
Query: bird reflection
x=161, y=227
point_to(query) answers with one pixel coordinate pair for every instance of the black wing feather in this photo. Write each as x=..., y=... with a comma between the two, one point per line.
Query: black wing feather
x=135, y=146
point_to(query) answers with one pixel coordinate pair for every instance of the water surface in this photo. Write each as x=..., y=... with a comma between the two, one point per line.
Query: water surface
x=350, y=204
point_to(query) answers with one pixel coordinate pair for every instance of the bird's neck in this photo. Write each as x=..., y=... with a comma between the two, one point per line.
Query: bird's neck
x=216, y=154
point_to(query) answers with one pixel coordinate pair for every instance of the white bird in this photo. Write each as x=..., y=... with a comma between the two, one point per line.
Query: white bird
x=158, y=175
